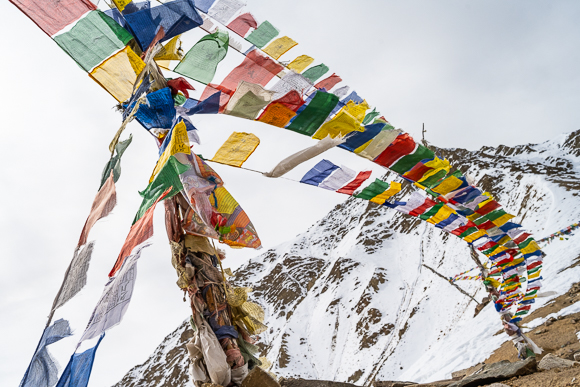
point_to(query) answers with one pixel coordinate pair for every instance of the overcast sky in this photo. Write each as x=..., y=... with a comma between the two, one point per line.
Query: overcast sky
x=476, y=73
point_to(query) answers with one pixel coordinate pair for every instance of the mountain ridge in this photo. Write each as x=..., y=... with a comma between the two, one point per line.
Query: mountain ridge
x=348, y=299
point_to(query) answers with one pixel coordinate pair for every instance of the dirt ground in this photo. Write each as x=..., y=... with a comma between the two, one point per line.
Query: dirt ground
x=552, y=378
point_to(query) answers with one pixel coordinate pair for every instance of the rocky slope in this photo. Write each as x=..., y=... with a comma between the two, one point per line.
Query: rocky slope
x=348, y=300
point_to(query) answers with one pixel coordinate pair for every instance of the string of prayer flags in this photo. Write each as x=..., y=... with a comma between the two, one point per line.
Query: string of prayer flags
x=300, y=63
x=298, y=158
x=310, y=119
x=118, y=73
x=566, y=231
x=379, y=191
x=242, y=24
x=263, y=34
x=78, y=370
x=201, y=61
x=237, y=148
x=279, y=46
x=53, y=16
x=329, y=83
x=174, y=17
x=223, y=10
x=93, y=39
x=356, y=183
x=314, y=73
x=321, y=171
x=248, y=100
x=42, y=370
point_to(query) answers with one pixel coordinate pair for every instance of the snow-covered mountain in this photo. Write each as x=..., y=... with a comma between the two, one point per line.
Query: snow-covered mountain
x=349, y=299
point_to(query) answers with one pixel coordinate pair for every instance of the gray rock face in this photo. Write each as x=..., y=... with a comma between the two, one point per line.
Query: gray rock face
x=498, y=372
x=393, y=384
x=550, y=361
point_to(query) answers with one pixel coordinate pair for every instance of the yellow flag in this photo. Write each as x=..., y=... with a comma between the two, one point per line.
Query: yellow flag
x=279, y=46
x=502, y=220
x=237, y=148
x=121, y=4
x=171, y=50
x=300, y=63
x=393, y=189
x=451, y=183
x=118, y=73
x=357, y=110
x=474, y=236
x=226, y=204
x=179, y=143
x=443, y=213
x=342, y=124
x=530, y=248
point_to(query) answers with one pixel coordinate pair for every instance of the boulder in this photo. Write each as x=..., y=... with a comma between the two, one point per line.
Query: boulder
x=467, y=371
x=551, y=361
x=498, y=372
x=257, y=377
x=577, y=356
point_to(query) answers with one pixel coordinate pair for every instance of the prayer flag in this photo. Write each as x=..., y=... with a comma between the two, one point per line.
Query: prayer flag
x=76, y=275
x=338, y=178
x=356, y=139
x=237, y=148
x=118, y=73
x=114, y=164
x=103, y=204
x=174, y=17
x=329, y=83
x=93, y=39
x=310, y=119
x=342, y=124
x=394, y=188
x=248, y=100
x=276, y=114
x=356, y=183
x=79, y=367
x=158, y=112
x=178, y=143
x=42, y=370
x=314, y=73
x=279, y=46
x=300, y=63
x=53, y=16
x=379, y=191
x=406, y=163
x=255, y=68
x=242, y=24
x=116, y=296
x=401, y=146
x=223, y=10
x=451, y=183
x=298, y=158
x=263, y=34
x=292, y=82
x=379, y=144
x=201, y=61
x=320, y=172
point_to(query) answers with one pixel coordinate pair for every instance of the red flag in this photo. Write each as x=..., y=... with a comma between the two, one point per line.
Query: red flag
x=139, y=233
x=353, y=185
